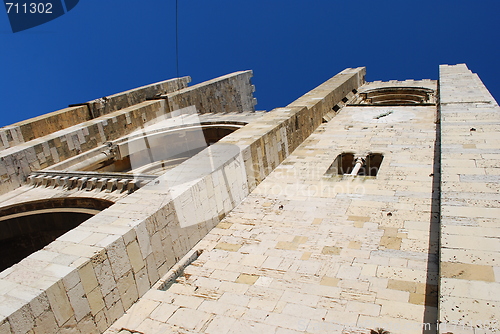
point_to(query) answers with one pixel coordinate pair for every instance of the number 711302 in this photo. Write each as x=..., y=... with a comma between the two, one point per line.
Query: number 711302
x=29, y=8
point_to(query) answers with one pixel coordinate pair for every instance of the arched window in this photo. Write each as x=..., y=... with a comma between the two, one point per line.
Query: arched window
x=396, y=96
x=28, y=227
x=371, y=165
x=348, y=164
x=343, y=164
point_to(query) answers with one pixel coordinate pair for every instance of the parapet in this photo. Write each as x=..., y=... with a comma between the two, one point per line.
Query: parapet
x=80, y=128
x=75, y=114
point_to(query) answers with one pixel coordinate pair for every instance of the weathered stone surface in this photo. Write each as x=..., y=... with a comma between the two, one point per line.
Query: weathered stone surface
x=470, y=225
x=120, y=253
x=297, y=249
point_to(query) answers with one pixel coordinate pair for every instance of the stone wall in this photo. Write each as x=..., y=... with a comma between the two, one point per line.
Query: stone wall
x=268, y=141
x=43, y=125
x=228, y=93
x=470, y=209
x=306, y=252
x=40, y=126
x=88, y=277
x=108, y=104
x=119, y=117
x=18, y=162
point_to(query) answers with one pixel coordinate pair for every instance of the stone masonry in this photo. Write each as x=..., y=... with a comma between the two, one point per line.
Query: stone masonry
x=255, y=233
x=87, y=278
x=306, y=252
x=470, y=202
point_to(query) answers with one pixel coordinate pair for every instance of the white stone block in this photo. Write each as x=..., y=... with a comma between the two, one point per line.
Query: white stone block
x=59, y=303
x=79, y=302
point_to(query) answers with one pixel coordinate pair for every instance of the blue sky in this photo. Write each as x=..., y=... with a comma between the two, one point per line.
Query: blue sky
x=104, y=47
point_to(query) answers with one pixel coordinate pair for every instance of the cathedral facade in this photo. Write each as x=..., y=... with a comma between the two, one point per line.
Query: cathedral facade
x=361, y=207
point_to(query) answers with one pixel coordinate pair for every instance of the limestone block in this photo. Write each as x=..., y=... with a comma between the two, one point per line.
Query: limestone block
x=467, y=271
x=470, y=242
x=228, y=246
x=87, y=325
x=105, y=277
x=101, y=321
x=95, y=300
x=143, y=239
x=59, y=303
x=21, y=320
x=220, y=325
x=118, y=258
x=46, y=323
x=363, y=308
x=39, y=305
x=78, y=301
x=87, y=277
x=152, y=269
x=115, y=311
x=135, y=256
x=403, y=310
x=142, y=281
x=189, y=319
x=247, y=279
x=403, y=274
x=287, y=321
x=395, y=325
x=331, y=250
x=348, y=272
x=402, y=285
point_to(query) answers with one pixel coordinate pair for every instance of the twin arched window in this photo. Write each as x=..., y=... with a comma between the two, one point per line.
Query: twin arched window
x=348, y=164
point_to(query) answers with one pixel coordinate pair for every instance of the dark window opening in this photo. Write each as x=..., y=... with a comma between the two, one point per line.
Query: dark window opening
x=343, y=164
x=371, y=165
x=28, y=234
x=28, y=227
x=347, y=163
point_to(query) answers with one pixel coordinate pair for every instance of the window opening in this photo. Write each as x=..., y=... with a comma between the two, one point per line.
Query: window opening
x=343, y=164
x=348, y=164
x=396, y=96
x=371, y=165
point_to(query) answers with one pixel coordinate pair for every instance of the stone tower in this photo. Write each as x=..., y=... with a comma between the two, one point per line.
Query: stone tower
x=359, y=206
